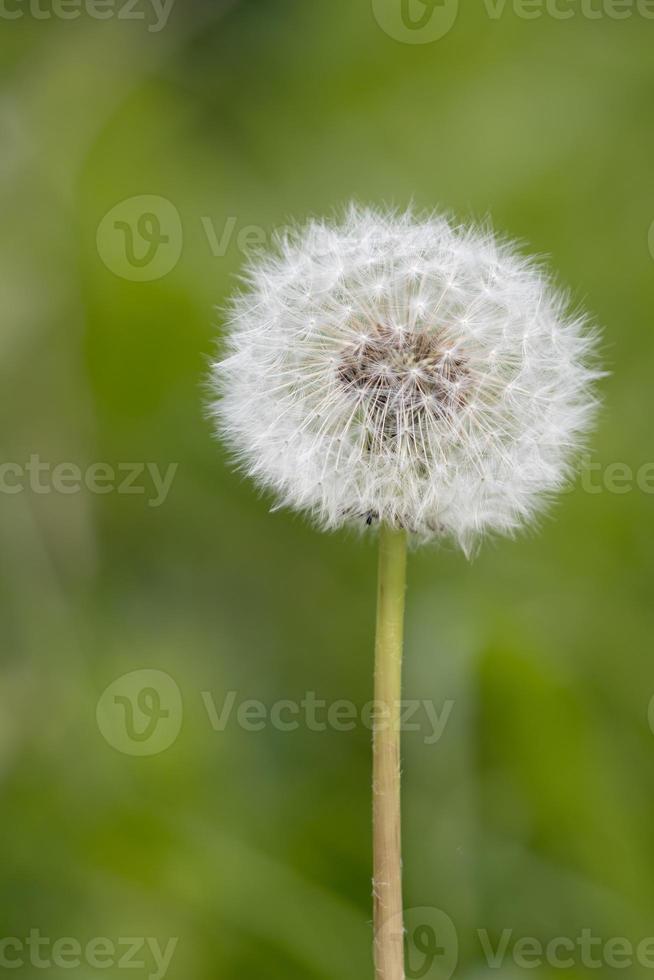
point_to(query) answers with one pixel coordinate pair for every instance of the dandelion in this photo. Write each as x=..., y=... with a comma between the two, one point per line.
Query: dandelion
x=399, y=371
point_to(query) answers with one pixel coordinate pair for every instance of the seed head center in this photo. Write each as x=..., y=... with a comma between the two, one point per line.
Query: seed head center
x=408, y=371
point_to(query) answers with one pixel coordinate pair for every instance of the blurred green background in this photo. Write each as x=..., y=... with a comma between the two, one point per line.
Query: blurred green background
x=533, y=812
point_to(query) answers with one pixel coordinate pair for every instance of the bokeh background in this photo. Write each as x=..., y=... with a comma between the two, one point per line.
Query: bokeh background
x=533, y=812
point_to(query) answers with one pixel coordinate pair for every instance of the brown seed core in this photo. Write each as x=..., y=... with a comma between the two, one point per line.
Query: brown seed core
x=402, y=374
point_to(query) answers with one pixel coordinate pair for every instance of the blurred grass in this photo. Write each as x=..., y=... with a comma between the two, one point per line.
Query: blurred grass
x=534, y=810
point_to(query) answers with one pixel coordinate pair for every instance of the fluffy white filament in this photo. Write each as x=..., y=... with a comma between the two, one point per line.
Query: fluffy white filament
x=401, y=369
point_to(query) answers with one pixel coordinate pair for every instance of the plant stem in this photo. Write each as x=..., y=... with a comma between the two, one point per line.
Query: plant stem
x=387, y=860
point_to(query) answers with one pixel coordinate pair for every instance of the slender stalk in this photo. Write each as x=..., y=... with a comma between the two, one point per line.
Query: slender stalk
x=387, y=859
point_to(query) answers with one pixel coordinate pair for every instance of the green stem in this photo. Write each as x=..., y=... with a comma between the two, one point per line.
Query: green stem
x=387, y=860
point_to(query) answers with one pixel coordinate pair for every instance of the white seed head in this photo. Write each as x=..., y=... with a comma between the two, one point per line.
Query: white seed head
x=398, y=368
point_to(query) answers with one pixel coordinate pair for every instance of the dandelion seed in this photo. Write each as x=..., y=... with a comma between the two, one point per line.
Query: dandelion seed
x=407, y=352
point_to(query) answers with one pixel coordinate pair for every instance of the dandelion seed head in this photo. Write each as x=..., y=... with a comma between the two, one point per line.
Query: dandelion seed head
x=399, y=368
